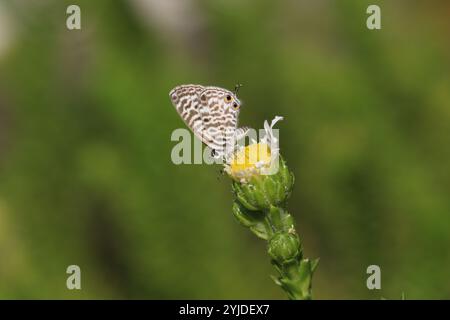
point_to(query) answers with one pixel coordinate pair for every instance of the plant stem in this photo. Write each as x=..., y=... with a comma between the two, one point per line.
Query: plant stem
x=260, y=205
x=285, y=249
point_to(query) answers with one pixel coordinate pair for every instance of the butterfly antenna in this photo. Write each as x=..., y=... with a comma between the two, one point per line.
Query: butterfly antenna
x=236, y=88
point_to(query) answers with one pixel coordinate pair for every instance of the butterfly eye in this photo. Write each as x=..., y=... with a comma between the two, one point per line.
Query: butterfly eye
x=228, y=98
x=235, y=106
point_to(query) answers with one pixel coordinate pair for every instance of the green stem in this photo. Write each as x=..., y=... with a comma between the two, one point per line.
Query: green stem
x=284, y=247
x=260, y=205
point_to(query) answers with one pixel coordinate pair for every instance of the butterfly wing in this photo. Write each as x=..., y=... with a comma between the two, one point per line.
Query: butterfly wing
x=185, y=99
x=218, y=118
x=209, y=115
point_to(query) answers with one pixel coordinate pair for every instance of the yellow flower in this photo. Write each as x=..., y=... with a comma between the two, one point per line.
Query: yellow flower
x=258, y=158
x=249, y=161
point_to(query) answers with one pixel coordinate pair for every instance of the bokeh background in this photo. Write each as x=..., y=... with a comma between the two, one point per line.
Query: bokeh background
x=85, y=124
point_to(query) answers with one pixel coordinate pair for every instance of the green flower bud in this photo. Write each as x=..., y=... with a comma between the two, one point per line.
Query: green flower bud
x=261, y=192
x=284, y=247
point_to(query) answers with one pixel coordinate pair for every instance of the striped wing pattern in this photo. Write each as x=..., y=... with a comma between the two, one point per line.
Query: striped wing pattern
x=211, y=113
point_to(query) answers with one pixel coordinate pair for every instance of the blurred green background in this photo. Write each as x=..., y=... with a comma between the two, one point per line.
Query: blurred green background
x=85, y=124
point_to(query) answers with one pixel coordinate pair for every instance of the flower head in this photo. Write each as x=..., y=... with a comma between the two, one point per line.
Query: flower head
x=249, y=161
x=258, y=158
x=261, y=178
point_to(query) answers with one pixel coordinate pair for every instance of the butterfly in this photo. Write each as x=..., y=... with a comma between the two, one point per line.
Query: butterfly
x=212, y=114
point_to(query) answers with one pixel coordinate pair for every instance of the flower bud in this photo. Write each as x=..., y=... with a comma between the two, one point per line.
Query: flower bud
x=284, y=247
x=260, y=192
